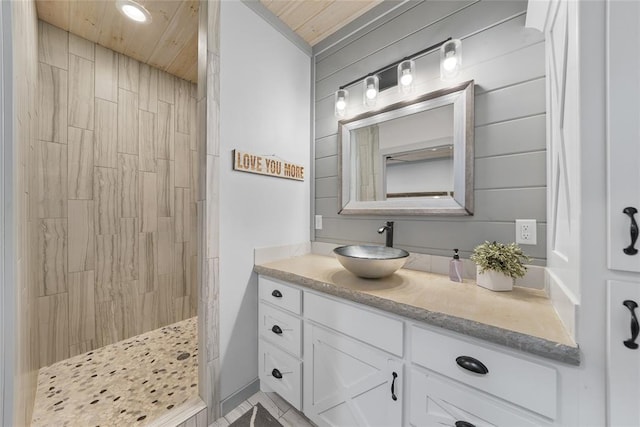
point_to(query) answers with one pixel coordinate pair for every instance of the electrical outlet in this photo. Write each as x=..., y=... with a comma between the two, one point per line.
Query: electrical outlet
x=318, y=222
x=526, y=231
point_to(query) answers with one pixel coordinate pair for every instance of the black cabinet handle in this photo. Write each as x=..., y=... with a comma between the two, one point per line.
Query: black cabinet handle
x=276, y=293
x=276, y=374
x=635, y=328
x=463, y=424
x=471, y=364
x=633, y=230
x=276, y=330
x=393, y=385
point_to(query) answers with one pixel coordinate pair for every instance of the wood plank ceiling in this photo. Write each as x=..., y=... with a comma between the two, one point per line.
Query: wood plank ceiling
x=170, y=41
x=314, y=20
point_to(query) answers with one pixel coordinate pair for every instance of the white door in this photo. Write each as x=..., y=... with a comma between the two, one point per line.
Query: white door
x=348, y=383
x=623, y=189
x=623, y=354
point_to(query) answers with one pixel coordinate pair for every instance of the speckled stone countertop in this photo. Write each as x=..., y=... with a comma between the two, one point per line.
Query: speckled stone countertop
x=523, y=319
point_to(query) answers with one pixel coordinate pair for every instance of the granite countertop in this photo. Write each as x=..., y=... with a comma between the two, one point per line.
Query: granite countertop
x=523, y=319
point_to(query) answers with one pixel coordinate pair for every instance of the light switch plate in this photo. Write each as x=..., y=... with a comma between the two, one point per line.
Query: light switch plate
x=318, y=222
x=526, y=232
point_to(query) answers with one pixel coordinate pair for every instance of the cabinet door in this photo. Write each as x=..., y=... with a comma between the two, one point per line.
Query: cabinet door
x=623, y=357
x=623, y=139
x=348, y=383
x=436, y=401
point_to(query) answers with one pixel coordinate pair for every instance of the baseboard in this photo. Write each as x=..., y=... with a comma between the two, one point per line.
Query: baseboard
x=229, y=403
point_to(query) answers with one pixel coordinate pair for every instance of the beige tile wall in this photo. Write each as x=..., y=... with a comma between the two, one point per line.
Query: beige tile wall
x=113, y=200
x=25, y=79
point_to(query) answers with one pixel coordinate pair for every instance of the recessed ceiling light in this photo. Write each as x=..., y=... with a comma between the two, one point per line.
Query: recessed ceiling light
x=133, y=11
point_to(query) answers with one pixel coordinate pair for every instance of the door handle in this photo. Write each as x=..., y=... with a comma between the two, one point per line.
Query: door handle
x=276, y=330
x=633, y=230
x=276, y=373
x=463, y=424
x=276, y=293
x=635, y=328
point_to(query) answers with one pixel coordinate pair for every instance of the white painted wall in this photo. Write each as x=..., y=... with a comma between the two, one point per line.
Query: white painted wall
x=265, y=100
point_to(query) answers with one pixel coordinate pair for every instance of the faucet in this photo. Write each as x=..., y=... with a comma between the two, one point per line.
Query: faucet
x=388, y=227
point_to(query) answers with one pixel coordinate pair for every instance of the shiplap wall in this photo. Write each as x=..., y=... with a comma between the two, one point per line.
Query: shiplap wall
x=507, y=63
x=114, y=180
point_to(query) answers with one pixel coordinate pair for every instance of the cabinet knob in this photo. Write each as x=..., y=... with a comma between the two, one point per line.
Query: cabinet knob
x=276, y=293
x=463, y=424
x=471, y=364
x=635, y=328
x=276, y=330
x=276, y=374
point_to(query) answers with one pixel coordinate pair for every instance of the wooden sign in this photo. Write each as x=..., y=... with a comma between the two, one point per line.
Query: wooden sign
x=266, y=165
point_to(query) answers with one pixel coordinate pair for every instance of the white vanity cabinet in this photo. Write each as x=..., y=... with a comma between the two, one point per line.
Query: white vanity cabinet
x=280, y=342
x=458, y=383
x=351, y=374
x=346, y=364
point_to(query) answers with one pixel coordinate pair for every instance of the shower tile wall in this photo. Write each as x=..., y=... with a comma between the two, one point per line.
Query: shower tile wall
x=114, y=197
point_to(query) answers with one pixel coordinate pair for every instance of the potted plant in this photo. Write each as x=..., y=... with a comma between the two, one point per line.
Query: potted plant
x=498, y=265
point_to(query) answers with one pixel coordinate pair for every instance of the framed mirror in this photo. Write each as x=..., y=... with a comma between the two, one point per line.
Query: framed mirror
x=411, y=158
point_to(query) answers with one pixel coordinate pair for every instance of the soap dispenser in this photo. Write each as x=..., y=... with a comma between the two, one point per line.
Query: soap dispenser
x=455, y=267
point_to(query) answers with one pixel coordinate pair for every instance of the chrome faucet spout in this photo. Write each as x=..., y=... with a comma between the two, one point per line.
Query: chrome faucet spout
x=388, y=227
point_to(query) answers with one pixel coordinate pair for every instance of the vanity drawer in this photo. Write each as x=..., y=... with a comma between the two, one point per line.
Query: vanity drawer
x=438, y=401
x=522, y=382
x=279, y=294
x=281, y=328
x=281, y=373
x=373, y=328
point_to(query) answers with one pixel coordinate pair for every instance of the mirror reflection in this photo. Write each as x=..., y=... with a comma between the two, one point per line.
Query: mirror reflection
x=395, y=160
x=411, y=158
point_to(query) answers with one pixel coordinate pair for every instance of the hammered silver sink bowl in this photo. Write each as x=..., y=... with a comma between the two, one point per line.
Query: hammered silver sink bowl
x=370, y=261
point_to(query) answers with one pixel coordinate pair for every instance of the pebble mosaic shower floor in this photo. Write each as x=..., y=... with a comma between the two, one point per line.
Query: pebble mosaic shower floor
x=129, y=383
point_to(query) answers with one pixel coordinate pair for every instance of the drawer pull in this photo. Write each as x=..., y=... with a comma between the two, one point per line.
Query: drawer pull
x=635, y=328
x=393, y=384
x=276, y=374
x=633, y=230
x=463, y=424
x=276, y=330
x=471, y=364
x=276, y=293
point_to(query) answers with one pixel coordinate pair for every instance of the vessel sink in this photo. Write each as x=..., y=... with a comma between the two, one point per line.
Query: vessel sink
x=370, y=261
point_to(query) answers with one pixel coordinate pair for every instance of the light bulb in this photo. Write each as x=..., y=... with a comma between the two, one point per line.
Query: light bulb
x=450, y=62
x=407, y=78
x=342, y=96
x=371, y=92
x=450, y=59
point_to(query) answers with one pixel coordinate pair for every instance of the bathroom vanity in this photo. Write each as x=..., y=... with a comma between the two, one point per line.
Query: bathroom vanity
x=413, y=349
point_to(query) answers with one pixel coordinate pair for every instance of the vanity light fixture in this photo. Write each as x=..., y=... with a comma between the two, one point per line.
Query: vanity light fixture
x=134, y=11
x=400, y=73
x=450, y=59
x=342, y=100
x=406, y=75
x=370, y=90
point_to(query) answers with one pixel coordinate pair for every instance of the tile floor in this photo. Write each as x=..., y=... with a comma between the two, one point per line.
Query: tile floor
x=128, y=383
x=281, y=410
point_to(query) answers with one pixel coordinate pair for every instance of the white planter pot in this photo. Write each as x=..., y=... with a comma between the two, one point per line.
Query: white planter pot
x=494, y=280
